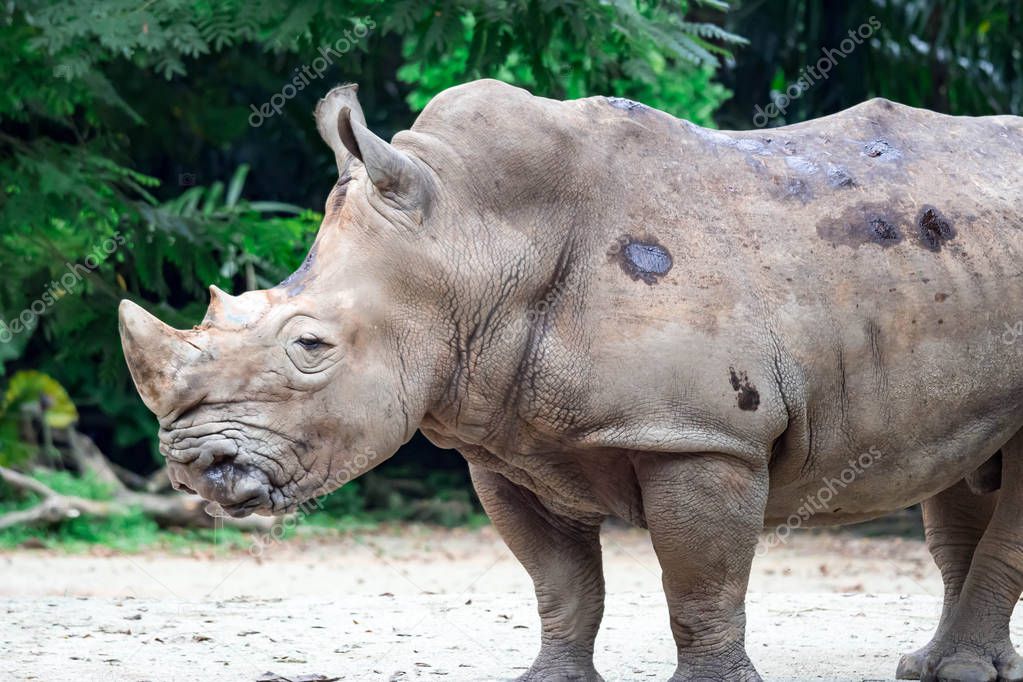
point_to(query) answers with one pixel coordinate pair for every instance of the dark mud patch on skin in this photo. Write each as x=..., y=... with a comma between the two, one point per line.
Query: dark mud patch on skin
x=935, y=228
x=626, y=104
x=747, y=396
x=859, y=225
x=642, y=259
x=884, y=231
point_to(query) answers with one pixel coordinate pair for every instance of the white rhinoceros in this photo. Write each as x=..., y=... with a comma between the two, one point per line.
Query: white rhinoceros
x=612, y=312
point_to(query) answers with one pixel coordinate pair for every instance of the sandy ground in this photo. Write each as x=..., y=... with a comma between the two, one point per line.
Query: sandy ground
x=417, y=603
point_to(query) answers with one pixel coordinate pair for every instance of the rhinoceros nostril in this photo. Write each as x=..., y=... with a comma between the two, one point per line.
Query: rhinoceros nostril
x=211, y=460
x=221, y=459
x=184, y=488
x=216, y=453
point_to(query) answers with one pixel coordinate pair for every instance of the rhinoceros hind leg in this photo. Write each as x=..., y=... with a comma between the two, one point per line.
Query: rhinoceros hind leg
x=988, y=476
x=562, y=556
x=704, y=512
x=955, y=520
x=973, y=641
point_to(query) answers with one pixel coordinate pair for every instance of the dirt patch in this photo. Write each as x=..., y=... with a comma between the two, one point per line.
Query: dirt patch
x=421, y=604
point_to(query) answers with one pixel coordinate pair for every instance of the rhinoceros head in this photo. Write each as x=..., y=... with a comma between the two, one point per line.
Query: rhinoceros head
x=284, y=394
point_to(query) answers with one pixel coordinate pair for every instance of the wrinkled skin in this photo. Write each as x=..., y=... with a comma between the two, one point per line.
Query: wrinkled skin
x=611, y=312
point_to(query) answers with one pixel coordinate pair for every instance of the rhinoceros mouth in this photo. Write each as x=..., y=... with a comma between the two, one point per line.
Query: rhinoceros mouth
x=254, y=505
x=234, y=489
x=239, y=466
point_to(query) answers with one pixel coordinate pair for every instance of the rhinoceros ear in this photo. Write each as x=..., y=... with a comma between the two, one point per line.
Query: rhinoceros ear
x=327, y=112
x=389, y=169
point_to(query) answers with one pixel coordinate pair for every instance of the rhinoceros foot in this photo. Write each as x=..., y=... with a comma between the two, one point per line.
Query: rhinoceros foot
x=541, y=672
x=959, y=661
x=911, y=665
x=732, y=665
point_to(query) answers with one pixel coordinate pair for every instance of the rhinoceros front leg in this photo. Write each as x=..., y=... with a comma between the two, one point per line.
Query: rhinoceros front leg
x=704, y=512
x=974, y=645
x=562, y=556
x=955, y=520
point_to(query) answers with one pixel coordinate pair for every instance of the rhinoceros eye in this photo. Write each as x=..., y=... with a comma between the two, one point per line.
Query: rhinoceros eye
x=312, y=346
x=310, y=342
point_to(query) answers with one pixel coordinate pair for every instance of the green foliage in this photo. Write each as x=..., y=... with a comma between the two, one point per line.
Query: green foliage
x=406, y=493
x=65, y=483
x=125, y=532
x=346, y=501
x=967, y=56
x=646, y=51
x=30, y=387
x=166, y=252
x=42, y=395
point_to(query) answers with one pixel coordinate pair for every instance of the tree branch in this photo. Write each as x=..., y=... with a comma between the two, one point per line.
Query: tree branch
x=54, y=507
x=167, y=510
x=23, y=482
x=88, y=459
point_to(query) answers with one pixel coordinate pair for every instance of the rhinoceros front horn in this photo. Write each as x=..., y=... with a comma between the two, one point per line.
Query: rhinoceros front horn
x=156, y=355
